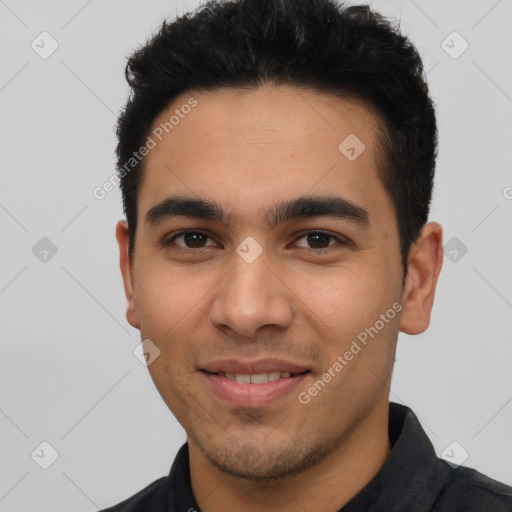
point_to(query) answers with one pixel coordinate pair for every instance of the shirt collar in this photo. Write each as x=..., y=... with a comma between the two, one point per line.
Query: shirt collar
x=412, y=476
x=401, y=483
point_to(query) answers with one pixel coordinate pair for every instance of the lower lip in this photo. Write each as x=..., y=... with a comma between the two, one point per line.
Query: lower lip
x=252, y=395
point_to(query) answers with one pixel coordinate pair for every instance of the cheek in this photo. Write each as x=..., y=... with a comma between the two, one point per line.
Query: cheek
x=355, y=316
x=168, y=299
x=357, y=343
x=170, y=304
x=345, y=302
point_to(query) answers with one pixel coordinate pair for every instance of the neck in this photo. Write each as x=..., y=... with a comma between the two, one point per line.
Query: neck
x=327, y=486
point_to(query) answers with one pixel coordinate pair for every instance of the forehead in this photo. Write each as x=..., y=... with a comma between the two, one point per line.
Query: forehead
x=270, y=116
x=249, y=147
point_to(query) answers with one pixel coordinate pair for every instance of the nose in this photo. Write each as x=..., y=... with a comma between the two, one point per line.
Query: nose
x=251, y=296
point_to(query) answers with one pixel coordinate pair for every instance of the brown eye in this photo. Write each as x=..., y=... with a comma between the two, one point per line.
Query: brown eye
x=317, y=240
x=191, y=240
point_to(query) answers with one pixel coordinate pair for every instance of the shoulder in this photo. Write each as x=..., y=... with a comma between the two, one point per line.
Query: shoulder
x=471, y=491
x=151, y=498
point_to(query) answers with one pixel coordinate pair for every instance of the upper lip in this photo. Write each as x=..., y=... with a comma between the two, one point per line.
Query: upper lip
x=252, y=367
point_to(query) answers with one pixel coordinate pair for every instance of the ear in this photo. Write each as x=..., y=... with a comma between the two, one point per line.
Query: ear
x=125, y=263
x=423, y=268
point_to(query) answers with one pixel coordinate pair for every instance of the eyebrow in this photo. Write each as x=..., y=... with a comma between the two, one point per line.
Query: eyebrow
x=185, y=207
x=284, y=211
x=313, y=206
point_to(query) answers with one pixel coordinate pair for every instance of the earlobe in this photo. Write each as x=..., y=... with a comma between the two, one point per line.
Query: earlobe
x=424, y=265
x=125, y=264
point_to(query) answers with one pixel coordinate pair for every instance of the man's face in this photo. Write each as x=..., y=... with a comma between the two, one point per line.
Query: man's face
x=268, y=289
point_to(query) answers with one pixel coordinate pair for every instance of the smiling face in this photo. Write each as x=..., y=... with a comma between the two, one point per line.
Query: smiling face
x=262, y=253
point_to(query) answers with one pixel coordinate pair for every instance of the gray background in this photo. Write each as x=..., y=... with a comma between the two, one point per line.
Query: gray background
x=68, y=373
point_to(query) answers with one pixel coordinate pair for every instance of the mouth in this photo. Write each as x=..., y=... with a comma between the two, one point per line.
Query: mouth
x=256, y=378
x=253, y=390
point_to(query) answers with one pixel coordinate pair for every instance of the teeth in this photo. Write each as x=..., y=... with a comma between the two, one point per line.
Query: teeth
x=256, y=378
x=259, y=378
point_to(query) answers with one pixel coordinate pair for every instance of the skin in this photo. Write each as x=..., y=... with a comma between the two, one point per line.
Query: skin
x=248, y=151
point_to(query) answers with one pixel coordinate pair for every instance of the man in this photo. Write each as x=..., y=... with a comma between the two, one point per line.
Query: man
x=276, y=161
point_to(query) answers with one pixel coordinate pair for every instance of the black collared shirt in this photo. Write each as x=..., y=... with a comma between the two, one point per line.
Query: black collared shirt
x=412, y=479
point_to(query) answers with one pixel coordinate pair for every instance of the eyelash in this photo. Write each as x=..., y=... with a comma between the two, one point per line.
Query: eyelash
x=341, y=241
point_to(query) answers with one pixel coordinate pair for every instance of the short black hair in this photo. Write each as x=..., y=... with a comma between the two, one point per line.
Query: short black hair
x=350, y=52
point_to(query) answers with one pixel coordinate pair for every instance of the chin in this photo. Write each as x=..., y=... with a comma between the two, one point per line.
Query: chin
x=250, y=461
